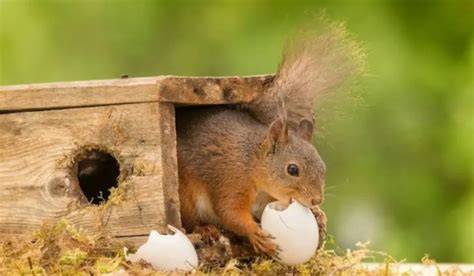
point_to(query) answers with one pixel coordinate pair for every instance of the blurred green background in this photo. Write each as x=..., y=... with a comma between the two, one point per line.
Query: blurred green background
x=400, y=166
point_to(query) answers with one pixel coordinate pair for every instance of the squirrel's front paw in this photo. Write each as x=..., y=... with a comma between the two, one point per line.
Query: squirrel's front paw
x=321, y=219
x=262, y=243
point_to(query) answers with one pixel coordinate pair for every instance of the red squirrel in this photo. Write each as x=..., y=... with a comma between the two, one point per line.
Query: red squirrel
x=233, y=160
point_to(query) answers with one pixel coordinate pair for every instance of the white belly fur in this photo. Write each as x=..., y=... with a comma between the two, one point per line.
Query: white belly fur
x=204, y=210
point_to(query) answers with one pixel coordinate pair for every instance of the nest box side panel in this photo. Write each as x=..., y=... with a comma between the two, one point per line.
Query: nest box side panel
x=39, y=154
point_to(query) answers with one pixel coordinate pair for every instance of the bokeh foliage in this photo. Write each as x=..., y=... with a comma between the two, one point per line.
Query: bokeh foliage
x=400, y=165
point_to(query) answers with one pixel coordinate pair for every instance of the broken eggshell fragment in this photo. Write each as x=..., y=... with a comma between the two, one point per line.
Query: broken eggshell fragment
x=167, y=252
x=295, y=230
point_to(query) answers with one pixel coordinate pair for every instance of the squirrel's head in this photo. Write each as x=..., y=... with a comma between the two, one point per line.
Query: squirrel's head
x=290, y=166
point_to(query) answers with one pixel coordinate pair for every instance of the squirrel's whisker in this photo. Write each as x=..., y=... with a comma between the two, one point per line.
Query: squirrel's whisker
x=332, y=187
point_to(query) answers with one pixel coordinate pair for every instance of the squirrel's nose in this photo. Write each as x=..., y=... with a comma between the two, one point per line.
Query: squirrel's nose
x=316, y=201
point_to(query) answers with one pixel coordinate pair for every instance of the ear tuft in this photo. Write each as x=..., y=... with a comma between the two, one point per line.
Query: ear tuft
x=305, y=129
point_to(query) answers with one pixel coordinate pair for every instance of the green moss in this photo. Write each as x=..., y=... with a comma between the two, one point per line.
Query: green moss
x=63, y=249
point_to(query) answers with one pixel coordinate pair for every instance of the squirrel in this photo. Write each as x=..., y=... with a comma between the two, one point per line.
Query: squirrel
x=234, y=160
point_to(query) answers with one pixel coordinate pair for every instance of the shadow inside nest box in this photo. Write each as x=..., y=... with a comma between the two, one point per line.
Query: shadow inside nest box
x=98, y=172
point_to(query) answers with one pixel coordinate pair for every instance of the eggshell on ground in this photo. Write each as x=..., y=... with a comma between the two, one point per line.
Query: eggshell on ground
x=167, y=252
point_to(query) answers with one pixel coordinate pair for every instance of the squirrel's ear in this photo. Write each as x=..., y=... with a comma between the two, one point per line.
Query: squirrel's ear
x=279, y=130
x=277, y=134
x=305, y=129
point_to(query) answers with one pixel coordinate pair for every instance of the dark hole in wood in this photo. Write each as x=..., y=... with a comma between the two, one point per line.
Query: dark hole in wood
x=97, y=172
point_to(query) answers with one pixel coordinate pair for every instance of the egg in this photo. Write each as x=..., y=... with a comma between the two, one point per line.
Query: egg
x=295, y=230
x=167, y=252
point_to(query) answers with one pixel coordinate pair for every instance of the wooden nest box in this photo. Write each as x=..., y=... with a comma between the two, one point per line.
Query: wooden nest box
x=53, y=135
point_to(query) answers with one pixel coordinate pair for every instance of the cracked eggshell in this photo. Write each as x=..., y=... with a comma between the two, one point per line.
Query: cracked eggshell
x=167, y=252
x=295, y=230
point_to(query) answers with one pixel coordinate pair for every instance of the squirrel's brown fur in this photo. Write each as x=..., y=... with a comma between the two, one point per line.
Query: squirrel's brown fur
x=232, y=162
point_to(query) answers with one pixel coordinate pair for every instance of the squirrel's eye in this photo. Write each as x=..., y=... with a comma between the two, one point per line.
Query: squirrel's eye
x=293, y=170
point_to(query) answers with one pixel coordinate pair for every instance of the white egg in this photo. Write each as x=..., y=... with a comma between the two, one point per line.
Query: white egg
x=167, y=252
x=295, y=230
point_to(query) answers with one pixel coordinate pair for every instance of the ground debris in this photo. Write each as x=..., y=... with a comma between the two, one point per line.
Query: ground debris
x=61, y=249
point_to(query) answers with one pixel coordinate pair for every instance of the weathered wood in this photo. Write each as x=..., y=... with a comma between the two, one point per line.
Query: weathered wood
x=38, y=182
x=170, y=163
x=179, y=90
x=44, y=126
x=414, y=269
x=78, y=94
x=198, y=91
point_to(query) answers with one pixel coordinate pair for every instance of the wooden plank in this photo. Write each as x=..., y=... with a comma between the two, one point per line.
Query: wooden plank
x=228, y=90
x=38, y=182
x=78, y=94
x=179, y=90
x=169, y=159
x=415, y=269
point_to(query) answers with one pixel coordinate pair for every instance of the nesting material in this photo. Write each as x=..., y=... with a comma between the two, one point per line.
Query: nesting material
x=167, y=252
x=295, y=230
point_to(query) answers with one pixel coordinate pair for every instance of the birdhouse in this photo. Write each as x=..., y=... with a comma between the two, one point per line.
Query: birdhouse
x=101, y=154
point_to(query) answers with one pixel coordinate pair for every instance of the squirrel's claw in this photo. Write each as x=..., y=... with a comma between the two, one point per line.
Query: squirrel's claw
x=261, y=242
x=321, y=219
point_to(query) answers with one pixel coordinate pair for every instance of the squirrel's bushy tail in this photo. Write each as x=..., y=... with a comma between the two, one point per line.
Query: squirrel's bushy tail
x=320, y=61
x=316, y=64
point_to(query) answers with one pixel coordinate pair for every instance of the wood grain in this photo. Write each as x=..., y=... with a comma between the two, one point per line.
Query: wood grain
x=43, y=126
x=178, y=90
x=169, y=161
x=78, y=93
x=38, y=182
